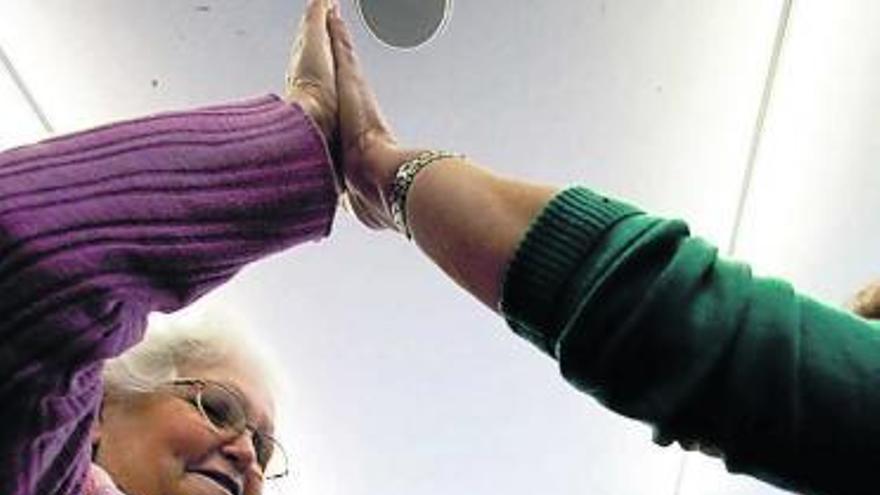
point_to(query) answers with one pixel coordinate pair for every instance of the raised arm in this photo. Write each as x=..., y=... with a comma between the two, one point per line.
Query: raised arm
x=99, y=228
x=637, y=312
x=150, y=214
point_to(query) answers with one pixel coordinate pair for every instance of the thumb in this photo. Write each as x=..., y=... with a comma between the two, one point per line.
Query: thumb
x=359, y=111
x=347, y=65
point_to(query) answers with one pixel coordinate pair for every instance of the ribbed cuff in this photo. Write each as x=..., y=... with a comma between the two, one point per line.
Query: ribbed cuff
x=330, y=185
x=554, y=247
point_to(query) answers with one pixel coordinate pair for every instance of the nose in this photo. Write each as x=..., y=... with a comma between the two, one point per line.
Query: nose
x=241, y=452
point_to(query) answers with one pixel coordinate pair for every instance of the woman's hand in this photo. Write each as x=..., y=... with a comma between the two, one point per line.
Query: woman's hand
x=311, y=76
x=369, y=153
x=867, y=302
x=466, y=219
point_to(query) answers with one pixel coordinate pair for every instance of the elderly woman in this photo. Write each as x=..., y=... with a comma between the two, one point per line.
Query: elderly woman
x=205, y=369
x=100, y=228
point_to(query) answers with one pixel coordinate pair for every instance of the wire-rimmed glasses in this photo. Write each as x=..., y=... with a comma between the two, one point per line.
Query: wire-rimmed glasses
x=223, y=410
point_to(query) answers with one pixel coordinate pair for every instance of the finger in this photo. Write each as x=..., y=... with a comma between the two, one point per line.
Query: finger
x=342, y=44
x=313, y=24
x=355, y=95
x=311, y=55
x=347, y=73
x=313, y=27
x=315, y=17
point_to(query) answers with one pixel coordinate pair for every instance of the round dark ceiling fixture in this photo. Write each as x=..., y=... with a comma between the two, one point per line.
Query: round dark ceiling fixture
x=404, y=24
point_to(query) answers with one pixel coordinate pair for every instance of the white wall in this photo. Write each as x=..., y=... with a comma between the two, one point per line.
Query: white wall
x=401, y=383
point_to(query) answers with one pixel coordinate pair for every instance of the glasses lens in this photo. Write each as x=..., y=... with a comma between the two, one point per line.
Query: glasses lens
x=271, y=456
x=222, y=408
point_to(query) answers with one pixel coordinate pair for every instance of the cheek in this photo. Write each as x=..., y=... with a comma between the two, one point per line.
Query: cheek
x=185, y=443
x=176, y=439
x=188, y=439
x=148, y=447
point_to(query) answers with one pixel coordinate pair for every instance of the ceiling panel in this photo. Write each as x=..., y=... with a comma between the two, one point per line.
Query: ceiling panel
x=400, y=382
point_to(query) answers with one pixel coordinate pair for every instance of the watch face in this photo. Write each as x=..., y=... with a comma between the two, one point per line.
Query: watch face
x=404, y=23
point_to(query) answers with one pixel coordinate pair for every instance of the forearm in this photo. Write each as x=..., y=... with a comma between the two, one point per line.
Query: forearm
x=470, y=221
x=656, y=326
x=156, y=210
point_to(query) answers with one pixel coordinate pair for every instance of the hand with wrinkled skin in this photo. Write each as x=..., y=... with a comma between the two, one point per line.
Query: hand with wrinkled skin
x=311, y=75
x=369, y=152
x=867, y=302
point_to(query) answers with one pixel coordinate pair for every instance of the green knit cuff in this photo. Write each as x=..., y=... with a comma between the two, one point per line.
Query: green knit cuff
x=554, y=246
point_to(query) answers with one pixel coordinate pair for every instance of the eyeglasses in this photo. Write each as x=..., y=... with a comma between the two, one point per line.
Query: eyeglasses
x=223, y=409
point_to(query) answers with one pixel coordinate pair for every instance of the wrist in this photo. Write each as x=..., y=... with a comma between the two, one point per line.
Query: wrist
x=403, y=180
x=325, y=127
x=385, y=160
x=387, y=165
x=325, y=123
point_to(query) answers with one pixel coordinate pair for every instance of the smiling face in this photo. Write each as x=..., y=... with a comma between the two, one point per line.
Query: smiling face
x=160, y=444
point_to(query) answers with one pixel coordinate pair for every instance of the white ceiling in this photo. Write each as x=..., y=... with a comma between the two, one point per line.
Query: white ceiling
x=812, y=213
x=402, y=383
x=18, y=123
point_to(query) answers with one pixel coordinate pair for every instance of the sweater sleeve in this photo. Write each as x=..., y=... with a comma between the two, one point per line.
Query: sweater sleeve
x=99, y=228
x=655, y=325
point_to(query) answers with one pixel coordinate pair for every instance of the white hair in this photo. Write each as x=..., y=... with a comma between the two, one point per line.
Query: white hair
x=196, y=337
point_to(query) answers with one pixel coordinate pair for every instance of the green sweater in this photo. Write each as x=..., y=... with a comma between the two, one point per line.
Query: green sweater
x=656, y=326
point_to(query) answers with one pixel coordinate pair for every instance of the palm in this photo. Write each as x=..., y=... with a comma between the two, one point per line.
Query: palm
x=311, y=73
x=369, y=152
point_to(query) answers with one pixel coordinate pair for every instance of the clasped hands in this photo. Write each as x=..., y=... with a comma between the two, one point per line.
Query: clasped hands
x=325, y=79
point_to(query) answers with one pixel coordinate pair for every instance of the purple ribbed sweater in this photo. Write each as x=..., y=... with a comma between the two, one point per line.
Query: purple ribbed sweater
x=99, y=228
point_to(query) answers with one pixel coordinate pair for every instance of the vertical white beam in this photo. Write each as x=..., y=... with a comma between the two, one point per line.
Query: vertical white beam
x=758, y=134
x=25, y=92
x=755, y=146
x=19, y=124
